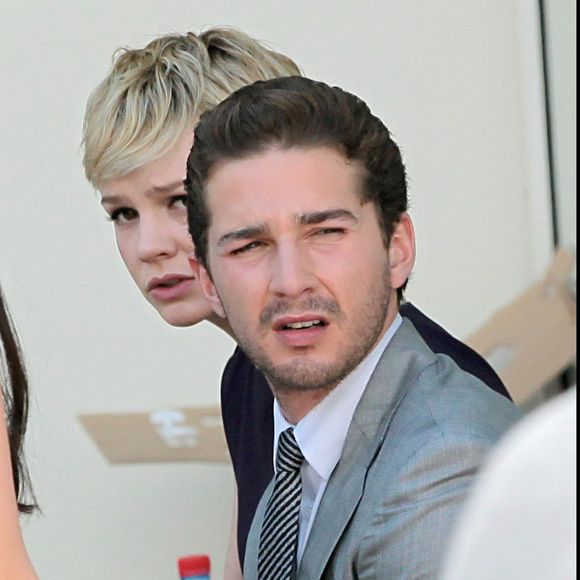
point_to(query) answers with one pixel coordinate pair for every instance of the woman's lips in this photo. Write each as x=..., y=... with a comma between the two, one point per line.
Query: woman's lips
x=170, y=288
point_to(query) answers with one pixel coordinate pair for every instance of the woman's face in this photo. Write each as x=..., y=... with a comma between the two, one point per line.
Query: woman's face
x=147, y=208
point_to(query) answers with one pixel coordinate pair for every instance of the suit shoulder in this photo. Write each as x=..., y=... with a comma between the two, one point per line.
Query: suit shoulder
x=446, y=402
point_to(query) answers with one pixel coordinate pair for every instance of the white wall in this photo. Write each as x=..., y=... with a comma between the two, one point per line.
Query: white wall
x=560, y=20
x=447, y=77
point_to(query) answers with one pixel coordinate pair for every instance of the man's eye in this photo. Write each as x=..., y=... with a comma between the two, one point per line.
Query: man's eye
x=328, y=231
x=178, y=201
x=246, y=248
x=123, y=215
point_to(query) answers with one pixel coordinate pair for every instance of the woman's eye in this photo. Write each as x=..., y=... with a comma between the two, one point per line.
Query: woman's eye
x=123, y=215
x=178, y=201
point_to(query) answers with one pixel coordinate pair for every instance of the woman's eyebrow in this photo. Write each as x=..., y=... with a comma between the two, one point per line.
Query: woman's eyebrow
x=151, y=192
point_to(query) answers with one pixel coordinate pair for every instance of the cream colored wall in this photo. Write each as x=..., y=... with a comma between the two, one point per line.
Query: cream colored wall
x=447, y=77
x=560, y=20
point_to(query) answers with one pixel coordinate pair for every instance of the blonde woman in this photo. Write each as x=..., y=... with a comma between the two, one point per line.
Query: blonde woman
x=138, y=132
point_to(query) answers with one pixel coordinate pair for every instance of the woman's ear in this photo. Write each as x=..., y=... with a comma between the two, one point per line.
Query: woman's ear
x=207, y=286
x=402, y=251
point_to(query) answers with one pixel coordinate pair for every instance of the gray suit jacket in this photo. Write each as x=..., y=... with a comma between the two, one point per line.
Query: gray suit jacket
x=415, y=443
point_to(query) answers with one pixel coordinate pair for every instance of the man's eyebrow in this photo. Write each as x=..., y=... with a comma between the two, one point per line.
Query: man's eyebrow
x=318, y=217
x=244, y=233
x=151, y=192
x=311, y=218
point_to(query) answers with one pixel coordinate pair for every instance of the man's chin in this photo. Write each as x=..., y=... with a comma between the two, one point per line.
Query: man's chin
x=299, y=375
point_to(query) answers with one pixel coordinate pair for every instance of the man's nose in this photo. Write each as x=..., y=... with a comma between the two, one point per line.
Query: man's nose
x=292, y=272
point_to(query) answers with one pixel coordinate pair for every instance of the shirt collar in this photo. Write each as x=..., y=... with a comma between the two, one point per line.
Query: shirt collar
x=321, y=434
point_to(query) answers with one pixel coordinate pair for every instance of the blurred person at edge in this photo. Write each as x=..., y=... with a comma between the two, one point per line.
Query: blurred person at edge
x=138, y=132
x=14, y=483
x=519, y=522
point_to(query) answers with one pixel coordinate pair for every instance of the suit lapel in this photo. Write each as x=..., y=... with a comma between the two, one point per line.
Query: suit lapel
x=395, y=371
x=253, y=543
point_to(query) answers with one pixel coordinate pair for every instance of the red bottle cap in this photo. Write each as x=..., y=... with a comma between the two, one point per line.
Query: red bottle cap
x=193, y=565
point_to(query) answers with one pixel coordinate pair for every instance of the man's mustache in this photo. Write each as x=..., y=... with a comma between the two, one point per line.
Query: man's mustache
x=311, y=304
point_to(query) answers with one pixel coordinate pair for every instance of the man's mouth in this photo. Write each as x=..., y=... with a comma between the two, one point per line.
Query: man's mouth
x=306, y=321
x=303, y=324
x=301, y=331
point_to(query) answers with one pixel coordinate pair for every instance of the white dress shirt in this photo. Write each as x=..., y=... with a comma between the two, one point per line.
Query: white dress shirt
x=321, y=434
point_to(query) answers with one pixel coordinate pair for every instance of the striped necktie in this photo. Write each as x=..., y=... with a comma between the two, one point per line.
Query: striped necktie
x=279, y=536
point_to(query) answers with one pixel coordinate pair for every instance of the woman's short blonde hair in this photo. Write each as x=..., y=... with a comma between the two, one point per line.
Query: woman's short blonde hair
x=154, y=94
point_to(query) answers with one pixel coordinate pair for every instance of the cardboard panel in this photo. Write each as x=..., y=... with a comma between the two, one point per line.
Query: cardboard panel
x=532, y=340
x=184, y=434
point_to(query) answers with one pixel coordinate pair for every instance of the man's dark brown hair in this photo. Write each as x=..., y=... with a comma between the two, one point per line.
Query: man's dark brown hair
x=295, y=112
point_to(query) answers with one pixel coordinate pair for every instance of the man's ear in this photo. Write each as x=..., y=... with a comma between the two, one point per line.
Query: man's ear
x=207, y=286
x=402, y=251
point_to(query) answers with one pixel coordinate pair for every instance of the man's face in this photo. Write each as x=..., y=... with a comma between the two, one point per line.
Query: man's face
x=298, y=264
x=150, y=219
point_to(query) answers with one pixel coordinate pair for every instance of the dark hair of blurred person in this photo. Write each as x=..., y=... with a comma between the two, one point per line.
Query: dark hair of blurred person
x=14, y=384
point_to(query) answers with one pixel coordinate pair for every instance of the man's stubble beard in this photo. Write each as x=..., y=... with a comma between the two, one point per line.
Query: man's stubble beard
x=301, y=374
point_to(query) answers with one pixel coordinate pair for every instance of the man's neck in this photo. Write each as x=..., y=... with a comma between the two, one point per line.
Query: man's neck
x=296, y=405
